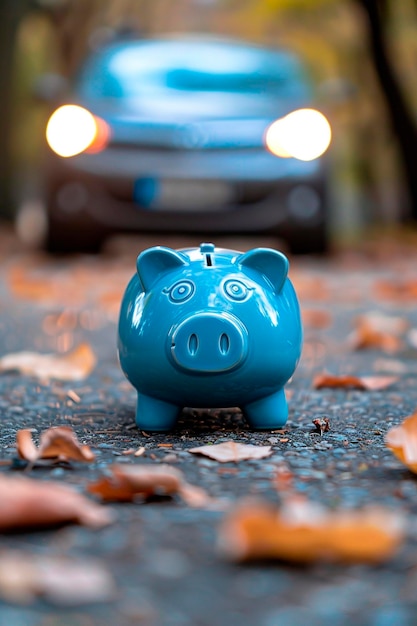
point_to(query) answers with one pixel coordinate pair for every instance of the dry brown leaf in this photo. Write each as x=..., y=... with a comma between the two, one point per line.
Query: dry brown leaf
x=304, y=532
x=232, y=451
x=74, y=365
x=402, y=441
x=129, y=482
x=29, y=503
x=283, y=479
x=310, y=287
x=366, y=383
x=58, y=443
x=59, y=580
x=23, y=285
x=196, y=497
x=322, y=424
x=73, y=284
x=378, y=331
x=316, y=318
x=397, y=290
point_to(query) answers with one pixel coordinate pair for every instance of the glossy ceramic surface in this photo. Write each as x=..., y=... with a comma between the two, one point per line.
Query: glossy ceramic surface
x=209, y=327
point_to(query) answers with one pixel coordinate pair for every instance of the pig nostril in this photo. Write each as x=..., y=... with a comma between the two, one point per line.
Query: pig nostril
x=193, y=344
x=224, y=343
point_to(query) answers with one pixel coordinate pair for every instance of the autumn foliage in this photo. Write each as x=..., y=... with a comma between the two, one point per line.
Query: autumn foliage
x=303, y=532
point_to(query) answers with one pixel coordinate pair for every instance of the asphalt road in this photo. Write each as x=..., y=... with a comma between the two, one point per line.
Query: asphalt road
x=162, y=556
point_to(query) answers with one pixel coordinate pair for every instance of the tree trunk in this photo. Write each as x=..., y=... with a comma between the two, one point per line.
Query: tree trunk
x=11, y=12
x=401, y=117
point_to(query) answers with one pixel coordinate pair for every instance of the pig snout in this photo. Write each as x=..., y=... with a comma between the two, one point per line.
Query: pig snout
x=209, y=343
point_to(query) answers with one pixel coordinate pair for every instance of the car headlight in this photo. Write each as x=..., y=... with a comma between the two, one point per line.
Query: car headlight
x=304, y=134
x=71, y=129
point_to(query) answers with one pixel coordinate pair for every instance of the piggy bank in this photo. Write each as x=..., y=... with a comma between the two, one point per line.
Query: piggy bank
x=209, y=327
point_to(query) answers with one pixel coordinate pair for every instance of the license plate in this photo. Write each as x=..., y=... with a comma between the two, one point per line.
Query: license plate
x=182, y=195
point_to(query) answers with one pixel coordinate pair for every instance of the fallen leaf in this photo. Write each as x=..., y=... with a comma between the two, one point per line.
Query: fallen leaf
x=74, y=284
x=316, y=318
x=72, y=395
x=24, y=286
x=322, y=424
x=128, y=452
x=29, y=503
x=196, y=497
x=366, y=383
x=74, y=365
x=61, y=581
x=129, y=482
x=283, y=478
x=402, y=441
x=232, y=451
x=305, y=532
x=397, y=290
x=378, y=331
x=309, y=287
x=58, y=444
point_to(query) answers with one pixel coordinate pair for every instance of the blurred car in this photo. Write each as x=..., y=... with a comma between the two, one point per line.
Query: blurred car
x=188, y=135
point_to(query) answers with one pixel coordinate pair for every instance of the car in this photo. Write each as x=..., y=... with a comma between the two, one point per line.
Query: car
x=187, y=134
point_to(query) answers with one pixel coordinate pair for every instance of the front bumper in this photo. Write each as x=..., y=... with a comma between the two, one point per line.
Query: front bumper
x=267, y=194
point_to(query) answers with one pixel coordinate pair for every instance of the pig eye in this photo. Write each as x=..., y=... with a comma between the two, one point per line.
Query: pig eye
x=181, y=291
x=236, y=290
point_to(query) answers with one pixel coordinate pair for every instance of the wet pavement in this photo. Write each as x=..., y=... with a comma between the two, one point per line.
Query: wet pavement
x=163, y=556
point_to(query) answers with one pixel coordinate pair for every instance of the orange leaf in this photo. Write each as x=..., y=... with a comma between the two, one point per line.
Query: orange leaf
x=366, y=383
x=59, y=443
x=25, y=286
x=232, y=451
x=29, y=503
x=316, y=318
x=377, y=331
x=396, y=290
x=284, y=478
x=309, y=287
x=402, y=441
x=127, y=483
x=74, y=365
x=304, y=532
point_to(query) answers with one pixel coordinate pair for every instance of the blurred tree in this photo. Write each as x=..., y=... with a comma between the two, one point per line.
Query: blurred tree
x=378, y=15
x=11, y=13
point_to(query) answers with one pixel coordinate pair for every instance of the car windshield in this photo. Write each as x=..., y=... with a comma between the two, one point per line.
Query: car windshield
x=153, y=68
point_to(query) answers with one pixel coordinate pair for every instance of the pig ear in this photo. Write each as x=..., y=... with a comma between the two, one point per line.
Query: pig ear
x=271, y=263
x=154, y=262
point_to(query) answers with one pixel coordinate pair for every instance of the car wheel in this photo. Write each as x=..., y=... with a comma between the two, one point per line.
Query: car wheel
x=62, y=238
x=309, y=242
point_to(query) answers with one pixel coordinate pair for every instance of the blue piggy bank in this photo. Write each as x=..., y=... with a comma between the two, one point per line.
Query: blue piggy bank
x=210, y=327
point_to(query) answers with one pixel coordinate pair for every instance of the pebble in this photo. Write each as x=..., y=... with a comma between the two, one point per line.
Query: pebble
x=323, y=446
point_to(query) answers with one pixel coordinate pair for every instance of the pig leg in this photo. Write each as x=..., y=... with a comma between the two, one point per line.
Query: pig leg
x=267, y=413
x=155, y=415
